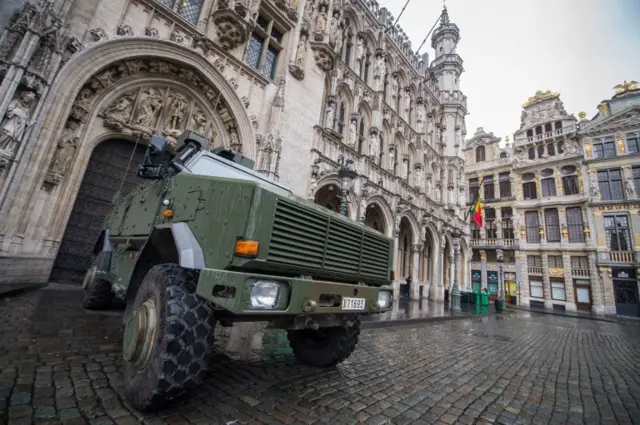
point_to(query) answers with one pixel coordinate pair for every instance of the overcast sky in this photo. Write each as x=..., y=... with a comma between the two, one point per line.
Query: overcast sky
x=511, y=48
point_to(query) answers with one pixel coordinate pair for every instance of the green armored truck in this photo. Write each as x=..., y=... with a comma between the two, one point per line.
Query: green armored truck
x=208, y=241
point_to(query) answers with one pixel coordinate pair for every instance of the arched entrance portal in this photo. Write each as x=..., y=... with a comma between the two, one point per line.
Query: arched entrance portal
x=102, y=179
x=374, y=218
x=329, y=197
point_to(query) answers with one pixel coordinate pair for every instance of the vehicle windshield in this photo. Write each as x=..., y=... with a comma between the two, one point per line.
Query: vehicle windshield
x=209, y=164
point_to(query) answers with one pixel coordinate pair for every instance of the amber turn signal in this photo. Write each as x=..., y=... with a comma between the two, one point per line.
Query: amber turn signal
x=247, y=248
x=167, y=213
x=393, y=275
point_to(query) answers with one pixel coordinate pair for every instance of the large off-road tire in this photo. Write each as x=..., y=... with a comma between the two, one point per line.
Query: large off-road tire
x=325, y=347
x=97, y=292
x=168, y=339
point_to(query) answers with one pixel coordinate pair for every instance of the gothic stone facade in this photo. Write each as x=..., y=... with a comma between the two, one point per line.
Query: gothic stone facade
x=570, y=188
x=298, y=86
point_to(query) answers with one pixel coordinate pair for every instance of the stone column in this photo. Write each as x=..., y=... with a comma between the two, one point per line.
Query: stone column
x=607, y=290
x=483, y=268
x=546, y=283
x=597, y=294
x=568, y=283
x=498, y=224
x=524, y=279
x=416, y=250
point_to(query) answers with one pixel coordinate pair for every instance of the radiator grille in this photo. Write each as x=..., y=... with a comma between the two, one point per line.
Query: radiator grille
x=307, y=238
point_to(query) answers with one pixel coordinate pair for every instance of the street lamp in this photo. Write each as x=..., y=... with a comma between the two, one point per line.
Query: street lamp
x=500, y=301
x=455, y=291
x=346, y=175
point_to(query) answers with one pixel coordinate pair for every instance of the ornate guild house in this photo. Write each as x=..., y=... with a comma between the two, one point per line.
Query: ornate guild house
x=305, y=88
x=561, y=206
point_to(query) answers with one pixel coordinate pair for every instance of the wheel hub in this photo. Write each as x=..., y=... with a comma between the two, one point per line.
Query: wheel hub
x=140, y=333
x=89, y=277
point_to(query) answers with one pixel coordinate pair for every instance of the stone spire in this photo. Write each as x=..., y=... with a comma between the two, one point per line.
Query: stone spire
x=444, y=18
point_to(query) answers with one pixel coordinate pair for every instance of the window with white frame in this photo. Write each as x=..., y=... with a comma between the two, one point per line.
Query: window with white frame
x=558, y=292
x=575, y=226
x=548, y=182
x=535, y=289
x=618, y=232
x=552, y=224
x=570, y=184
x=533, y=226
x=610, y=184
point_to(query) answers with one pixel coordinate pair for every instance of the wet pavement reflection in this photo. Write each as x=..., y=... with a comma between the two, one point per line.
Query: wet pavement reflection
x=406, y=309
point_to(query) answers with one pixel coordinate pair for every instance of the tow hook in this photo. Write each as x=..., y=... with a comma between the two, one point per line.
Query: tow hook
x=311, y=324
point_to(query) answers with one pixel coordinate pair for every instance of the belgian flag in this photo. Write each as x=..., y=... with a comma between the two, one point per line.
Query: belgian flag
x=476, y=212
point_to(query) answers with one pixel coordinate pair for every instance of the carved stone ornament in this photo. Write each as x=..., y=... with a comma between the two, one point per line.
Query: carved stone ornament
x=324, y=56
x=232, y=29
x=98, y=34
x=151, y=32
x=124, y=30
x=268, y=159
x=64, y=153
x=153, y=109
x=14, y=124
x=177, y=36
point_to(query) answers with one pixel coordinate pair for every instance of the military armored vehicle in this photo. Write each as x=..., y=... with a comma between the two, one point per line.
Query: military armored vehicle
x=208, y=241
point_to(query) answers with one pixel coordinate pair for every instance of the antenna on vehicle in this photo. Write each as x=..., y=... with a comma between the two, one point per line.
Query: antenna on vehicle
x=124, y=176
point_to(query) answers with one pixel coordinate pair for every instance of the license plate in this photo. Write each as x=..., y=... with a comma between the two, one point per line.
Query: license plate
x=353, y=303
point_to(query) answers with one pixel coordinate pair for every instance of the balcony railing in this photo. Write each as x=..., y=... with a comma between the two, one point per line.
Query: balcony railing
x=580, y=273
x=491, y=242
x=534, y=270
x=549, y=134
x=621, y=257
x=508, y=242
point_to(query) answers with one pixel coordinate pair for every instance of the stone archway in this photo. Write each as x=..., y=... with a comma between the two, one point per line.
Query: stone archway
x=428, y=260
x=113, y=164
x=374, y=218
x=405, y=259
x=328, y=196
x=92, y=99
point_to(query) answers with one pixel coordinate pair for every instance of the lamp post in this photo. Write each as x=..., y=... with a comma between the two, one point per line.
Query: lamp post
x=346, y=175
x=500, y=301
x=455, y=291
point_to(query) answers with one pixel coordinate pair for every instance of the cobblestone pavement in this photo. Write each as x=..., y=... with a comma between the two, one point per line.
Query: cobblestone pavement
x=61, y=365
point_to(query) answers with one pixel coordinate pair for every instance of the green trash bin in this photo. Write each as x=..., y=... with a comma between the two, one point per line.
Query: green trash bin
x=476, y=297
x=499, y=305
x=485, y=298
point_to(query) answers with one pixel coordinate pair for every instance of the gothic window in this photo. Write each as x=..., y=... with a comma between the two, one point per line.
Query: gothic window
x=187, y=9
x=618, y=232
x=264, y=47
x=574, y=224
x=569, y=180
x=529, y=189
x=560, y=147
x=361, y=135
x=340, y=118
x=603, y=148
x=507, y=222
x=633, y=142
x=636, y=179
x=610, y=184
x=552, y=224
x=551, y=150
x=548, y=183
x=540, y=151
x=367, y=67
x=532, y=226
x=480, y=154
x=532, y=153
x=505, y=185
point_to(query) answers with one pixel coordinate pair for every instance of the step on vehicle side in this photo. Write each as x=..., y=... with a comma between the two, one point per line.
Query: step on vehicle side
x=209, y=241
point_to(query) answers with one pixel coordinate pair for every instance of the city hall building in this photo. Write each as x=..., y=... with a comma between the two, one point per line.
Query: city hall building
x=299, y=86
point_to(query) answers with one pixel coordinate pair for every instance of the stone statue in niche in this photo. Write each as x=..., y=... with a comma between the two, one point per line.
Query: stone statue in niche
x=328, y=123
x=335, y=23
x=65, y=151
x=353, y=133
x=405, y=169
x=338, y=38
x=308, y=10
x=149, y=108
x=178, y=112
x=392, y=158
x=301, y=53
x=373, y=146
x=321, y=21
x=360, y=49
x=394, y=86
x=200, y=121
x=420, y=119
x=15, y=122
x=379, y=67
x=121, y=108
x=363, y=207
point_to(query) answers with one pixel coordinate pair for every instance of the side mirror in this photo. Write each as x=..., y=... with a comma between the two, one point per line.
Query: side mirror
x=152, y=167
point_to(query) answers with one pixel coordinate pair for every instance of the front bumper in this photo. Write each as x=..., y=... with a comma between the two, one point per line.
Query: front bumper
x=232, y=291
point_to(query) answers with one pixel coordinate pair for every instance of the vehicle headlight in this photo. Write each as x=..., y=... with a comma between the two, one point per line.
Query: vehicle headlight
x=384, y=299
x=264, y=294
